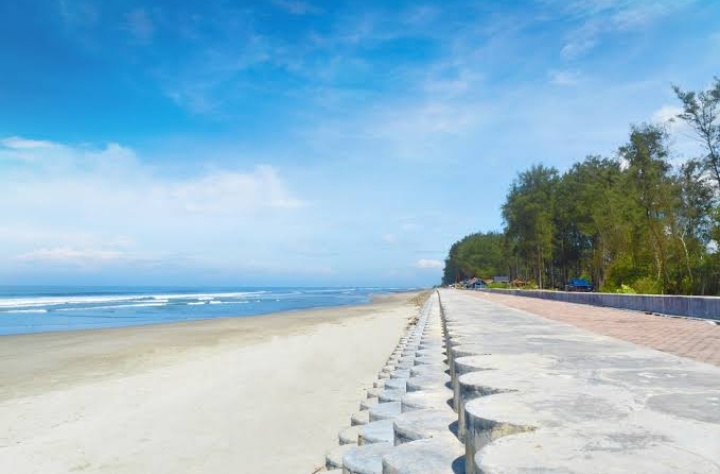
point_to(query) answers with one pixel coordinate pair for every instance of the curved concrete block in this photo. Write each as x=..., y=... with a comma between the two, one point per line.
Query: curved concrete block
x=374, y=392
x=429, y=352
x=425, y=369
x=396, y=384
x=430, y=360
x=436, y=346
x=400, y=374
x=370, y=402
x=427, y=399
x=360, y=417
x=490, y=418
x=334, y=457
x=424, y=424
x=605, y=449
x=385, y=411
x=391, y=396
x=365, y=459
x=442, y=455
x=388, y=369
x=376, y=432
x=428, y=382
x=349, y=435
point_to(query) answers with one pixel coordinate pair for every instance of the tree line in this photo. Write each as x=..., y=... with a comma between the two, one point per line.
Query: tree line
x=632, y=222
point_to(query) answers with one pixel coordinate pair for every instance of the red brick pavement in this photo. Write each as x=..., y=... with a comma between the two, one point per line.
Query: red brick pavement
x=697, y=340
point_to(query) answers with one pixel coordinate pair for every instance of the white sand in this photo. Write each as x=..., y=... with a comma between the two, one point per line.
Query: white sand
x=246, y=395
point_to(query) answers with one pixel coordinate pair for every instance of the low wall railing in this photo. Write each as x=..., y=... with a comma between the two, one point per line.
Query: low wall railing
x=703, y=307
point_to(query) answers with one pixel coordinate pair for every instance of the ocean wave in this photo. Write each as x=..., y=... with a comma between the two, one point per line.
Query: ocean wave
x=327, y=290
x=26, y=311
x=39, y=302
x=115, y=306
x=56, y=301
x=215, y=302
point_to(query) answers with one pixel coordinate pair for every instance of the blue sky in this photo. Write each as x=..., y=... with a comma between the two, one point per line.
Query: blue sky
x=295, y=142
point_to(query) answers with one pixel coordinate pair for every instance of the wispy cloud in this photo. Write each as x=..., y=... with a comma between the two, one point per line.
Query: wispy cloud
x=565, y=78
x=19, y=143
x=390, y=239
x=73, y=255
x=81, y=13
x=297, y=7
x=666, y=114
x=100, y=203
x=428, y=264
x=599, y=18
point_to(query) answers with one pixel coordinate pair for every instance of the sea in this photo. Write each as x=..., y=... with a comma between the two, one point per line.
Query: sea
x=25, y=310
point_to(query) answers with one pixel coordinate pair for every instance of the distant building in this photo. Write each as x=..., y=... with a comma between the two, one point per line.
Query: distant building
x=501, y=279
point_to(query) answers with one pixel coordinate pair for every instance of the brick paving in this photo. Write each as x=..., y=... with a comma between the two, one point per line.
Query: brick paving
x=697, y=340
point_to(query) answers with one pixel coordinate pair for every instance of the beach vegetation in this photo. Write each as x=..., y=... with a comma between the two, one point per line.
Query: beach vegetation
x=641, y=220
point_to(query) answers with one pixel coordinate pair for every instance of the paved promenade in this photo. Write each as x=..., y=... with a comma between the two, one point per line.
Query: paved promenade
x=699, y=340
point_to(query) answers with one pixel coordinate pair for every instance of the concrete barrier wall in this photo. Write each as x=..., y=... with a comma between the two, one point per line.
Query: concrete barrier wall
x=704, y=307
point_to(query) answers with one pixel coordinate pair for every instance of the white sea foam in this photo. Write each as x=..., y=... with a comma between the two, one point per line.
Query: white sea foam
x=26, y=311
x=113, y=306
x=225, y=302
x=59, y=300
x=43, y=301
x=328, y=290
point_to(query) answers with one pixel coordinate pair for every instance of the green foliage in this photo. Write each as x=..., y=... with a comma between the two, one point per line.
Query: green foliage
x=633, y=222
x=701, y=110
x=647, y=286
x=476, y=255
x=528, y=214
x=626, y=289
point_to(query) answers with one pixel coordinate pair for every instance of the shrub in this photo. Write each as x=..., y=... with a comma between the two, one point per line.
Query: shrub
x=647, y=286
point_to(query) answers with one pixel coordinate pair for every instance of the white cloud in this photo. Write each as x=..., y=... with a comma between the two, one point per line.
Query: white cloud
x=565, y=78
x=598, y=18
x=140, y=25
x=411, y=227
x=72, y=255
x=19, y=143
x=577, y=47
x=231, y=192
x=666, y=113
x=296, y=7
x=389, y=239
x=105, y=205
x=425, y=264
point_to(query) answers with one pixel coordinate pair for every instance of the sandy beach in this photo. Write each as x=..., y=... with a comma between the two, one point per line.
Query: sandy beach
x=245, y=395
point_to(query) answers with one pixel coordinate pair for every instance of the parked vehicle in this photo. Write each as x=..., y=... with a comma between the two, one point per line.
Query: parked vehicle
x=579, y=284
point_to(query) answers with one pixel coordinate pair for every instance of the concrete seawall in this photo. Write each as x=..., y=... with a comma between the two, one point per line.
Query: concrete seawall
x=475, y=387
x=703, y=307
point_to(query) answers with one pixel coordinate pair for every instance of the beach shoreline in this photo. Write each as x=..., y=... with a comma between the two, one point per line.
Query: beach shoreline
x=63, y=393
